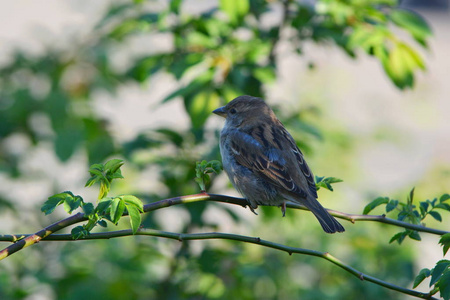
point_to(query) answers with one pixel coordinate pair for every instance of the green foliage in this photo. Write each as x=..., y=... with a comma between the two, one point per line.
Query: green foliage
x=108, y=208
x=202, y=171
x=105, y=174
x=214, y=55
x=445, y=242
x=408, y=212
x=325, y=182
x=440, y=278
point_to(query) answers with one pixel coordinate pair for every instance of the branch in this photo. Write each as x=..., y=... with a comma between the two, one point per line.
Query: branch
x=253, y=240
x=79, y=217
x=23, y=241
x=242, y=202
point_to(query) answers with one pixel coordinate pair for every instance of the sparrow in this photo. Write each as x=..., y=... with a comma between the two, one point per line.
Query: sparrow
x=263, y=161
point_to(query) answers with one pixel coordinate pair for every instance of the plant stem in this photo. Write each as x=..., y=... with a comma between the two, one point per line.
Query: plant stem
x=253, y=240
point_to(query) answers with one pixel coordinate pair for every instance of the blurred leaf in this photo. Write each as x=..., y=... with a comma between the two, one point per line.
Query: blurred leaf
x=325, y=182
x=438, y=270
x=413, y=23
x=113, y=165
x=135, y=217
x=445, y=242
x=392, y=204
x=49, y=206
x=117, y=209
x=413, y=234
x=79, y=232
x=399, y=237
x=444, y=197
x=200, y=105
x=72, y=203
x=235, y=9
x=67, y=141
x=436, y=215
x=444, y=285
x=133, y=201
x=88, y=209
x=173, y=136
x=265, y=74
x=445, y=206
x=377, y=202
x=103, y=206
x=424, y=273
x=102, y=223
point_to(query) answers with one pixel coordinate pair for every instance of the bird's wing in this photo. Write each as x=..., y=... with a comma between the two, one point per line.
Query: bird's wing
x=273, y=164
x=301, y=162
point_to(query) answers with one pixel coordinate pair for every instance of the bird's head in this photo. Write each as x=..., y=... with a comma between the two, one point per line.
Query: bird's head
x=243, y=110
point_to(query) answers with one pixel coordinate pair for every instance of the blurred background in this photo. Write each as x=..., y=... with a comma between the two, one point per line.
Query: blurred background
x=362, y=88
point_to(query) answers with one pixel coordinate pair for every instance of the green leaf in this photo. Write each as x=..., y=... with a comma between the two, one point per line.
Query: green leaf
x=444, y=197
x=438, y=270
x=325, y=182
x=88, y=209
x=372, y=205
x=133, y=200
x=413, y=234
x=445, y=242
x=173, y=136
x=53, y=201
x=413, y=23
x=410, y=198
x=117, y=209
x=66, y=141
x=105, y=186
x=399, y=237
x=216, y=166
x=96, y=169
x=444, y=285
x=424, y=273
x=135, y=217
x=175, y=6
x=113, y=165
x=103, y=206
x=200, y=106
x=91, y=181
x=265, y=74
x=392, y=204
x=102, y=223
x=436, y=215
x=79, y=232
x=445, y=206
x=235, y=9
x=71, y=203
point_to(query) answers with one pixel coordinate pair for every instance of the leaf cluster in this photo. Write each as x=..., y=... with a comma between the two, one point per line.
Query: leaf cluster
x=108, y=208
x=202, y=171
x=440, y=278
x=409, y=212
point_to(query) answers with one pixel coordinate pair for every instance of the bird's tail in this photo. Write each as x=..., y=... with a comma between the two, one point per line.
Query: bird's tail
x=328, y=222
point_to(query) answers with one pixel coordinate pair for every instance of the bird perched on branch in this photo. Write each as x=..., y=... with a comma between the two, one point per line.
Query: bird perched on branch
x=263, y=162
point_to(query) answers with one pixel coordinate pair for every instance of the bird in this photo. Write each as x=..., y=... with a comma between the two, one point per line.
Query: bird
x=263, y=161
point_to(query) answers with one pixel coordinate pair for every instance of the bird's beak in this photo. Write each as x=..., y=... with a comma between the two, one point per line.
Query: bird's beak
x=221, y=111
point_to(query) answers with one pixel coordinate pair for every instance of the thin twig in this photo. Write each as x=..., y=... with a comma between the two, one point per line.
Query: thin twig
x=253, y=240
x=20, y=243
x=242, y=202
x=35, y=238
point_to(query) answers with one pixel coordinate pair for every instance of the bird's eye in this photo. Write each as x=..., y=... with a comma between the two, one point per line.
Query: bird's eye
x=232, y=111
